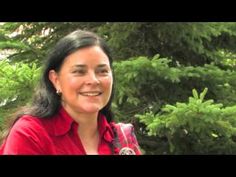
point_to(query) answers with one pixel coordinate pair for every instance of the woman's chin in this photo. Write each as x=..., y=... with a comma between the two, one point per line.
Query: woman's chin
x=91, y=109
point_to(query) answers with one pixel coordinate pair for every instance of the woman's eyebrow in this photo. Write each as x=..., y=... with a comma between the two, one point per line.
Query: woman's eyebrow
x=84, y=66
x=79, y=66
x=102, y=65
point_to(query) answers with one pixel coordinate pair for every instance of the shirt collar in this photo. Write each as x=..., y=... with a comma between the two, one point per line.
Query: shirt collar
x=105, y=129
x=62, y=124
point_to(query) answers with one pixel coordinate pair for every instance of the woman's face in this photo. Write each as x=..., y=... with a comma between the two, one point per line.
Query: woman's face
x=85, y=80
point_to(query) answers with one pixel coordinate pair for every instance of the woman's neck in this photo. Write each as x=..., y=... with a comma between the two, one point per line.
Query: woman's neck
x=88, y=133
x=88, y=130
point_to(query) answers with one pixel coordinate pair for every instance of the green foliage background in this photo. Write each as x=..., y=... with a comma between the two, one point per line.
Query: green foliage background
x=174, y=81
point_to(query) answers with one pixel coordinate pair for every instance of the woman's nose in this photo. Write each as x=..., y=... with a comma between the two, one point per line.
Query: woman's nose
x=92, y=78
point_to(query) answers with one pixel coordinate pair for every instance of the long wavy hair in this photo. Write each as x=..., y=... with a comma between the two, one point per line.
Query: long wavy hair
x=46, y=102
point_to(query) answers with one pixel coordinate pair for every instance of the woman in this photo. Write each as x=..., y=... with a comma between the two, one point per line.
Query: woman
x=71, y=113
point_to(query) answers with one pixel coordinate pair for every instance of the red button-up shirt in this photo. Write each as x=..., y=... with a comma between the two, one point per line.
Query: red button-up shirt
x=53, y=136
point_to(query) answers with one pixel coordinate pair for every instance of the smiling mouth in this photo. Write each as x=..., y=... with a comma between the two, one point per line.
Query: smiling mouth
x=90, y=93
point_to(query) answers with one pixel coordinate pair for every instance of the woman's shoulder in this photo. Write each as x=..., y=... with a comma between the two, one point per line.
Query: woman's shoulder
x=27, y=120
x=27, y=136
x=29, y=127
x=28, y=123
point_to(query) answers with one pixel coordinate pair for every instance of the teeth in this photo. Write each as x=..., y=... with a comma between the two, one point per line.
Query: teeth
x=90, y=94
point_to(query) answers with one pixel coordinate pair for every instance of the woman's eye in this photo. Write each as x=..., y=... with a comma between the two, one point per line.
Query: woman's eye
x=103, y=71
x=79, y=72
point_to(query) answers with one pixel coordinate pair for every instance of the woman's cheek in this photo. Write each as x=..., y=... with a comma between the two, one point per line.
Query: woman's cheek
x=107, y=82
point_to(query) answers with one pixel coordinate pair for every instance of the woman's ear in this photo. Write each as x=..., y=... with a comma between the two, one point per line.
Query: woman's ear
x=53, y=77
